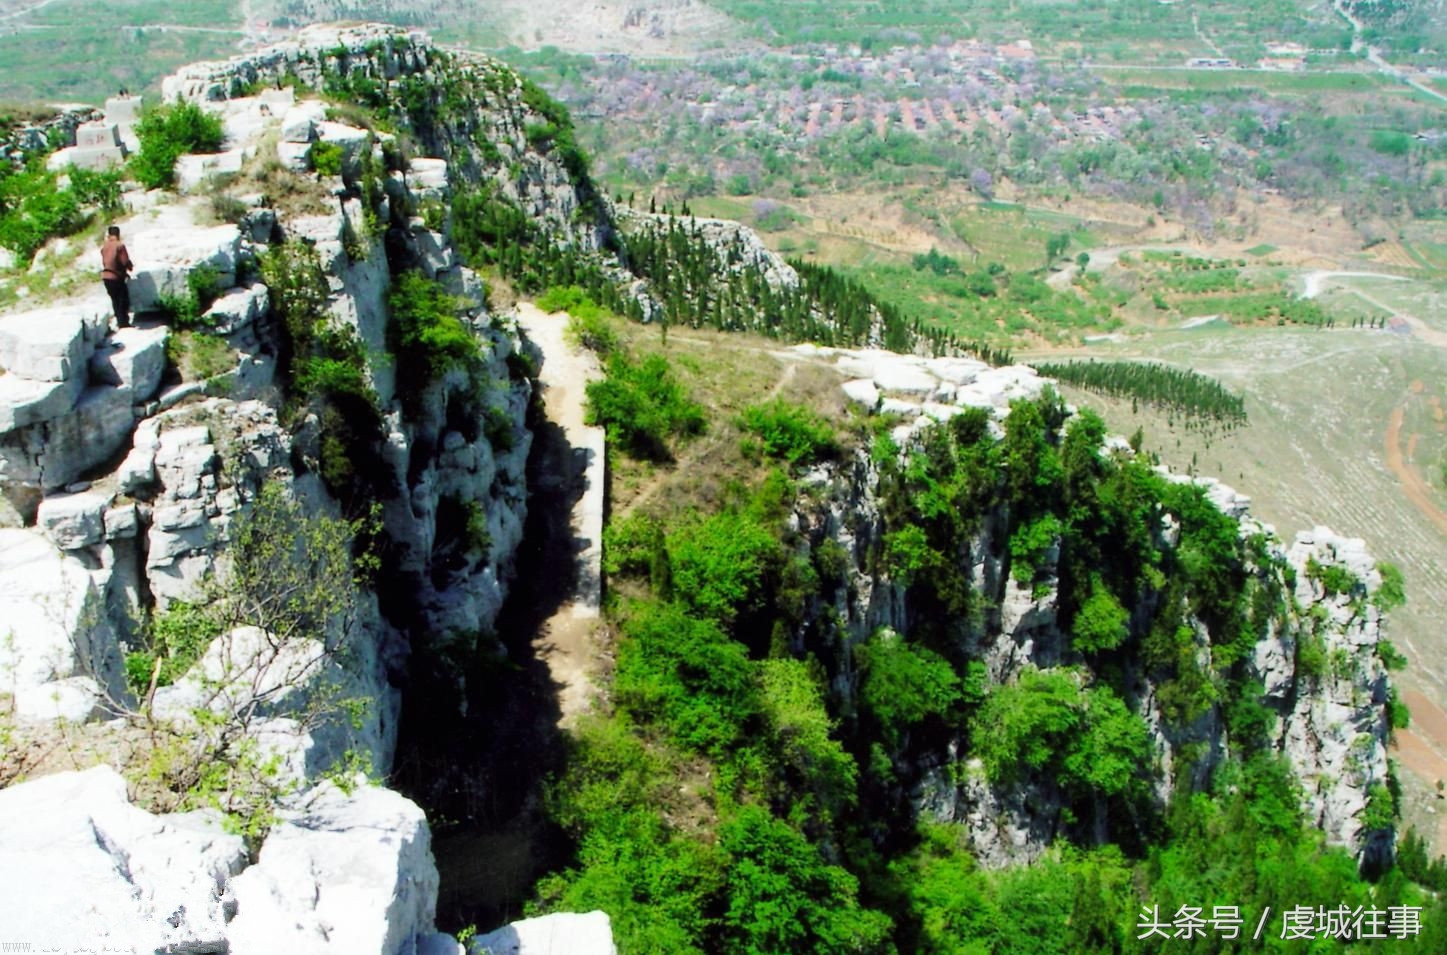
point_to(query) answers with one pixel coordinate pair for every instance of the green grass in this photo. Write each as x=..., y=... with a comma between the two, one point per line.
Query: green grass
x=85, y=63
x=1261, y=250
x=1429, y=255
x=1149, y=83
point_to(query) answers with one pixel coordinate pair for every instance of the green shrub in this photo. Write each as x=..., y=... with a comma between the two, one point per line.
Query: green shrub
x=687, y=676
x=1030, y=544
x=326, y=158
x=200, y=355
x=1393, y=590
x=718, y=565
x=425, y=332
x=590, y=325
x=177, y=637
x=96, y=187
x=187, y=310
x=475, y=535
x=298, y=291
x=790, y=431
x=1101, y=622
x=319, y=375
x=901, y=685
x=642, y=406
x=1334, y=578
x=630, y=543
x=33, y=210
x=1398, y=714
x=1390, y=656
x=497, y=426
x=784, y=897
x=169, y=132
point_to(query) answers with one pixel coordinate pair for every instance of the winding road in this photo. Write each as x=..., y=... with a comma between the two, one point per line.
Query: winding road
x=1316, y=283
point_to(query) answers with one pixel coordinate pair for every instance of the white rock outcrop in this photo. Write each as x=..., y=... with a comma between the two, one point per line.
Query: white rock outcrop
x=925, y=389
x=58, y=653
x=81, y=869
x=590, y=933
x=345, y=873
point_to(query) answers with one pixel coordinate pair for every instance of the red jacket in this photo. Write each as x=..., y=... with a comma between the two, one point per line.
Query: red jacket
x=114, y=259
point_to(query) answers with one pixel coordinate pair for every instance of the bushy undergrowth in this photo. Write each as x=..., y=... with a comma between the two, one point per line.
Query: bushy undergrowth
x=643, y=406
x=34, y=208
x=169, y=132
x=790, y=432
x=425, y=333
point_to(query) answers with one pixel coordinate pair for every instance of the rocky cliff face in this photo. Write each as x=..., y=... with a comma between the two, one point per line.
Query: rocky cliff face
x=126, y=493
x=1316, y=657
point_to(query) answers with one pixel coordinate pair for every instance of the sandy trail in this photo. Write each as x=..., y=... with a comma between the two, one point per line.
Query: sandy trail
x=1420, y=748
x=1413, y=486
x=576, y=469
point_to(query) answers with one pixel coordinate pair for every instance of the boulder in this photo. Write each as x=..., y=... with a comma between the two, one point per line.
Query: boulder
x=84, y=870
x=52, y=622
x=903, y=375
x=863, y=392
x=53, y=343
x=133, y=359
x=246, y=670
x=24, y=402
x=294, y=156
x=195, y=169
x=588, y=934
x=428, y=177
x=354, y=142
x=347, y=873
x=121, y=523
x=138, y=470
x=167, y=248
x=75, y=699
x=94, y=431
x=299, y=123
x=73, y=521
x=237, y=309
x=433, y=251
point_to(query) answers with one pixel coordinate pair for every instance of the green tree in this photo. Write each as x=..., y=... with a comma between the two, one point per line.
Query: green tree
x=1100, y=623
x=901, y=685
x=783, y=897
x=1056, y=245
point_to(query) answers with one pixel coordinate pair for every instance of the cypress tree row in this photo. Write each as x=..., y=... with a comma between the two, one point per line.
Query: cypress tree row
x=1178, y=390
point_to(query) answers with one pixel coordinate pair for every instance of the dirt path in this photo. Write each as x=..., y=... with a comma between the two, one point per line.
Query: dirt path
x=1420, y=748
x=1316, y=280
x=1316, y=284
x=575, y=467
x=1413, y=486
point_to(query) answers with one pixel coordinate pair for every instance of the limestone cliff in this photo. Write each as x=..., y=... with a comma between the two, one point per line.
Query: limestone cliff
x=1315, y=657
x=129, y=466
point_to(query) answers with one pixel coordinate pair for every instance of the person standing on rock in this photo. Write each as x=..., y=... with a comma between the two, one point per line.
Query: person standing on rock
x=115, y=269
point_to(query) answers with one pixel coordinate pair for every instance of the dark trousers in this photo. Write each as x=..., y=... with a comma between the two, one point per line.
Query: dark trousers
x=120, y=295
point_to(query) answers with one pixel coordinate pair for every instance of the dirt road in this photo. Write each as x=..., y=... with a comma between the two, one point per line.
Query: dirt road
x=1413, y=485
